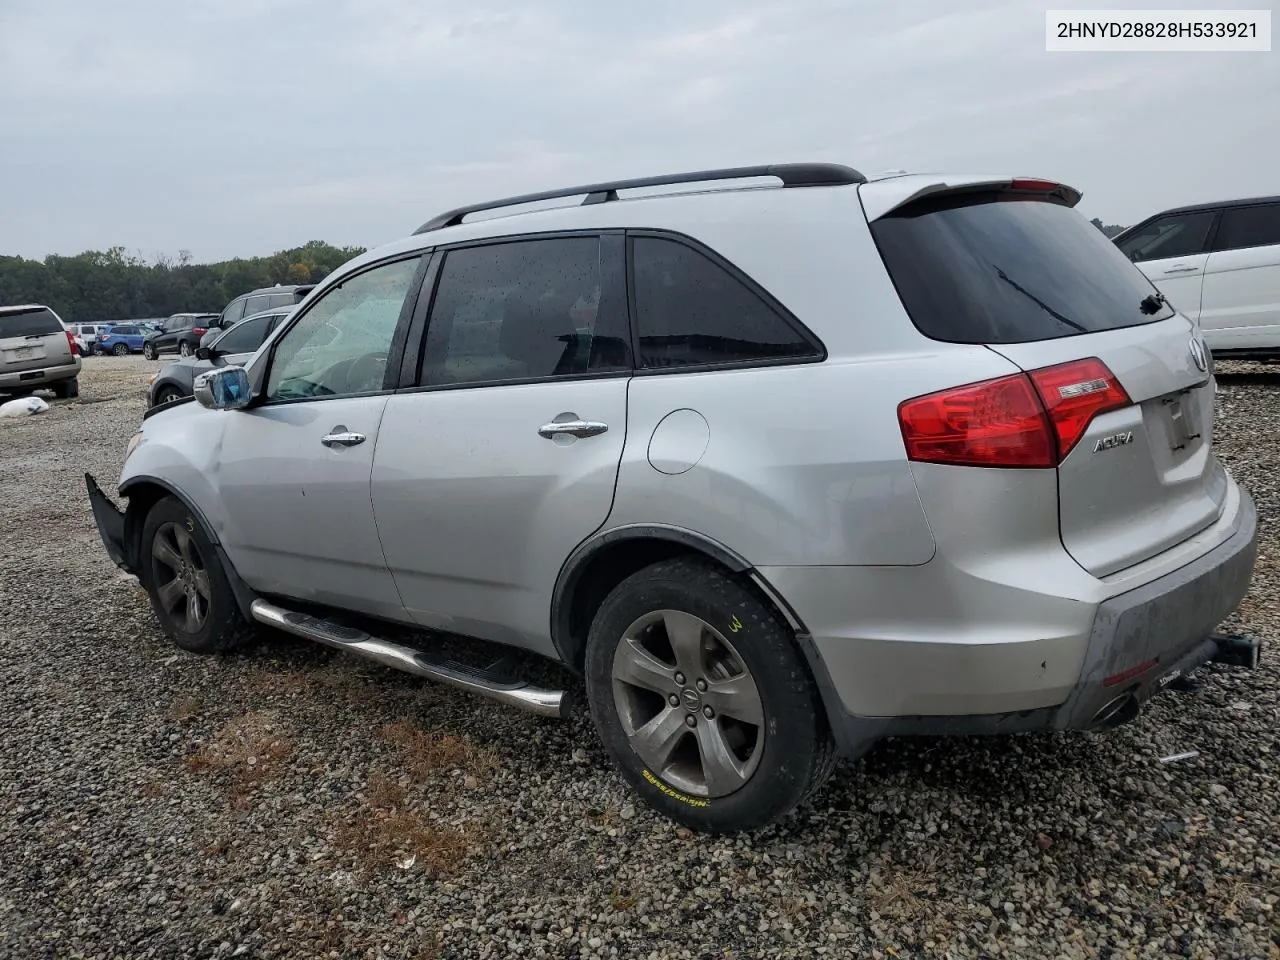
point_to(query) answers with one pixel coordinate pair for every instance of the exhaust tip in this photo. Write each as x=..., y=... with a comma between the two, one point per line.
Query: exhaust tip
x=1116, y=712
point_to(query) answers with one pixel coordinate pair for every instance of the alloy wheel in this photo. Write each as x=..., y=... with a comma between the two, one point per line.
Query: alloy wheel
x=182, y=581
x=688, y=704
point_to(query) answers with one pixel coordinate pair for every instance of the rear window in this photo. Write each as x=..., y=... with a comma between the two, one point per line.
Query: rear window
x=39, y=322
x=991, y=268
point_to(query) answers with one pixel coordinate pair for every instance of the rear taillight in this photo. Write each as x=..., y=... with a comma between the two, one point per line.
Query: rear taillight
x=199, y=331
x=1023, y=420
x=1074, y=393
x=71, y=341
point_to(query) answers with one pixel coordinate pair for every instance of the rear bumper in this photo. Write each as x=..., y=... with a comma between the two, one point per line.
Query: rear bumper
x=1083, y=666
x=38, y=377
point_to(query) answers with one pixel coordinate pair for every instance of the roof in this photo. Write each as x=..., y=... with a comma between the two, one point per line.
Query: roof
x=1193, y=207
x=22, y=307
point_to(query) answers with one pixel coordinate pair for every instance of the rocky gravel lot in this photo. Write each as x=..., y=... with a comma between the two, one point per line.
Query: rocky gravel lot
x=290, y=801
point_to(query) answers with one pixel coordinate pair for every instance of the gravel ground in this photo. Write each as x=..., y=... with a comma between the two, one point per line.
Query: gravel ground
x=294, y=802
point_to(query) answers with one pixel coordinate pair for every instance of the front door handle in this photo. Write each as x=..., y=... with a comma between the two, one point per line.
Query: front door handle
x=342, y=437
x=572, y=428
x=1182, y=270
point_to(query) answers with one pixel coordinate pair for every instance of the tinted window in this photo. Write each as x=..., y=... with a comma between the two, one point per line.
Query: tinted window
x=233, y=312
x=132, y=331
x=244, y=337
x=979, y=270
x=529, y=309
x=340, y=346
x=29, y=323
x=280, y=300
x=1177, y=235
x=690, y=310
x=256, y=305
x=1249, y=227
x=178, y=323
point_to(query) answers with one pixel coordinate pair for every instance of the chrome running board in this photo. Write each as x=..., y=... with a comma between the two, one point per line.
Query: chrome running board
x=490, y=682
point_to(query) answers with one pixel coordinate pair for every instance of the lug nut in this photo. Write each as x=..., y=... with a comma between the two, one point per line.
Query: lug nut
x=708, y=712
x=673, y=700
x=691, y=721
x=702, y=685
x=680, y=678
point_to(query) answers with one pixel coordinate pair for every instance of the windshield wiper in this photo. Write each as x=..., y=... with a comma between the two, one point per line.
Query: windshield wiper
x=1152, y=302
x=1043, y=306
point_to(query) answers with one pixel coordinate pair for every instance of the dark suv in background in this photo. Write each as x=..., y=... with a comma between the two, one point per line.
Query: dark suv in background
x=255, y=302
x=181, y=333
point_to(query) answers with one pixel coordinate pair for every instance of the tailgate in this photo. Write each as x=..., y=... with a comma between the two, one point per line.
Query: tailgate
x=1141, y=479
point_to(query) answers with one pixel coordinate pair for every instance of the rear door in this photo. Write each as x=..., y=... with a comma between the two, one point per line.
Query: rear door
x=32, y=338
x=1038, y=284
x=491, y=473
x=1172, y=251
x=1241, y=301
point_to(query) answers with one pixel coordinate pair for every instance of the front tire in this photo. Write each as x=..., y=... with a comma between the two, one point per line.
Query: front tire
x=168, y=395
x=189, y=590
x=703, y=699
x=149, y=351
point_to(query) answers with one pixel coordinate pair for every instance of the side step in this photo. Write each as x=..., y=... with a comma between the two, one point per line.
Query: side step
x=493, y=682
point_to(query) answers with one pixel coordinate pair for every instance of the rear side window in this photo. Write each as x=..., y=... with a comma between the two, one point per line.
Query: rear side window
x=691, y=311
x=39, y=322
x=280, y=300
x=524, y=310
x=1177, y=235
x=126, y=331
x=993, y=269
x=1249, y=227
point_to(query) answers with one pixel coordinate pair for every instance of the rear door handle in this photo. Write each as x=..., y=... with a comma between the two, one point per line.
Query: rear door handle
x=1182, y=270
x=572, y=428
x=342, y=437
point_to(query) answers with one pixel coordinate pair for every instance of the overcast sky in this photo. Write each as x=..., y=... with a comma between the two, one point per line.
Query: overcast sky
x=239, y=127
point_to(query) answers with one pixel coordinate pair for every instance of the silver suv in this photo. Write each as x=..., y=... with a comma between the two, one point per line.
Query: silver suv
x=780, y=466
x=37, y=352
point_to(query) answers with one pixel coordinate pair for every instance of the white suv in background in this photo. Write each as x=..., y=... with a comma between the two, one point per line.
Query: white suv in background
x=1218, y=263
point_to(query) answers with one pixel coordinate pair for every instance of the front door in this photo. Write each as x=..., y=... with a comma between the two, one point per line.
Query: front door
x=1171, y=252
x=294, y=470
x=506, y=458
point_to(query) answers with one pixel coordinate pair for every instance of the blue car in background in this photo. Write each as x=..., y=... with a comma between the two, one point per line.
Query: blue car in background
x=121, y=339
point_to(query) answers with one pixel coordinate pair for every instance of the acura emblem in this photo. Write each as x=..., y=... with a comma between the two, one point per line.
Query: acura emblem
x=1197, y=354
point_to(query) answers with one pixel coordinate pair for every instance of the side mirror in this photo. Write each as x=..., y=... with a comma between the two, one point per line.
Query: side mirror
x=224, y=389
x=203, y=353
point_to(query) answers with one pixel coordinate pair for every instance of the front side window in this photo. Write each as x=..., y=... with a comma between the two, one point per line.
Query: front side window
x=1177, y=235
x=1244, y=227
x=340, y=346
x=528, y=309
x=692, y=311
x=244, y=337
x=234, y=311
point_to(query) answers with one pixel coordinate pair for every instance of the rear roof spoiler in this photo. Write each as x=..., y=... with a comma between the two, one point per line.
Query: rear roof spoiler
x=882, y=197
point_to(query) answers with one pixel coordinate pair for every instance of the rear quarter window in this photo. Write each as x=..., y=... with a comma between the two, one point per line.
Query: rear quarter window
x=29, y=323
x=993, y=268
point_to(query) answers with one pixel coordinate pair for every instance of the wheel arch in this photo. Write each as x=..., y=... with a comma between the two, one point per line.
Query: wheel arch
x=145, y=491
x=603, y=561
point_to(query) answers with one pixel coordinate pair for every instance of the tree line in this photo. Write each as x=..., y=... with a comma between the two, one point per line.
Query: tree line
x=1108, y=229
x=110, y=285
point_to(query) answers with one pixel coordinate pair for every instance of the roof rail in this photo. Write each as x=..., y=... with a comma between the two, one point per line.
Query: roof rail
x=791, y=175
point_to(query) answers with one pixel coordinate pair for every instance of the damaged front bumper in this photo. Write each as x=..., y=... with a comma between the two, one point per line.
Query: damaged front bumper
x=110, y=521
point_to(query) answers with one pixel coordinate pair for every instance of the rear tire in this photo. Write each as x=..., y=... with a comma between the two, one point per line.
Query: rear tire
x=149, y=351
x=120, y=350
x=66, y=389
x=184, y=348
x=189, y=590
x=733, y=679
